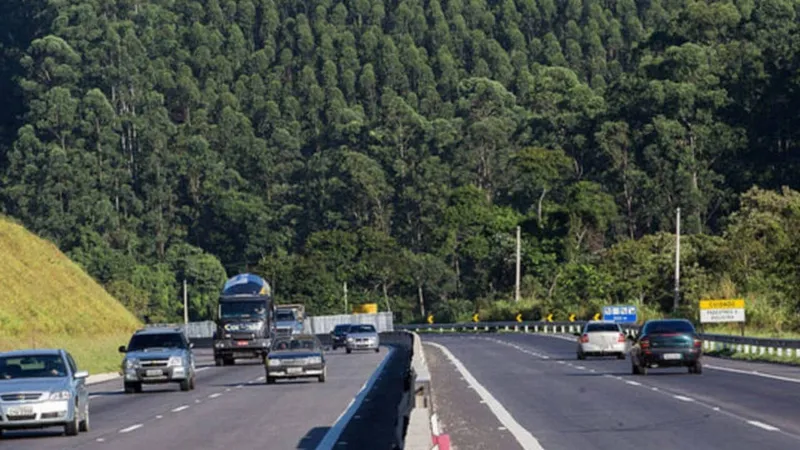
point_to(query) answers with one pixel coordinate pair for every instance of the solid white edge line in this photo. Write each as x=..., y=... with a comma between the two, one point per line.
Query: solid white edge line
x=523, y=436
x=335, y=432
x=131, y=428
x=685, y=399
x=752, y=373
x=758, y=424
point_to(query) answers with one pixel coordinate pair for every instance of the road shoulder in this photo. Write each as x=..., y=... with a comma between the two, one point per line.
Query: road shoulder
x=469, y=422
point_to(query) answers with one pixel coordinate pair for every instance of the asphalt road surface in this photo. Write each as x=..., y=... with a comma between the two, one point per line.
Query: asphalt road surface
x=231, y=407
x=532, y=388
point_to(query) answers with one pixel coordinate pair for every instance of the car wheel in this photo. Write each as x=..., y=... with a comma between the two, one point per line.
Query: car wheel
x=217, y=362
x=71, y=427
x=377, y=350
x=228, y=361
x=324, y=374
x=634, y=368
x=581, y=355
x=696, y=368
x=270, y=380
x=131, y=388
x=621, y=356
x=186, y=384
x=349, y=350
x=84, y=426
x=192, y=383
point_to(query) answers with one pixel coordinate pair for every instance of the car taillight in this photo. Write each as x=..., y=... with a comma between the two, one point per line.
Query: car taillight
x=698, y=343
x=645, y=343
x=584, y=338
x=621, y=338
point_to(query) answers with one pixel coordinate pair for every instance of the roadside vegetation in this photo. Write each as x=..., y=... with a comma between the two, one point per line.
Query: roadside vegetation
x=395, y=147
x=50, y=302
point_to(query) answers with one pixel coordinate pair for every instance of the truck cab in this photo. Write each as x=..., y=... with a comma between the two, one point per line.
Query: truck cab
x=245, y=320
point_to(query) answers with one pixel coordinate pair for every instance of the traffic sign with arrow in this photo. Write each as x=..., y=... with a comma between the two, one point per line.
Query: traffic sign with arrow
x=519, y=317
x=475, y=317
x=597, y=316
x=550, y=317
x=572, y=317
x=430, y=318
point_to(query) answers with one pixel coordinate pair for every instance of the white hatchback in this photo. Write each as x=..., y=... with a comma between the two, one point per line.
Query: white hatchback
x=602, y=338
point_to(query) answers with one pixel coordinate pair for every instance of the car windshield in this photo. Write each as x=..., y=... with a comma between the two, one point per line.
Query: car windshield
x=284, y=316
x=341, y=329
x=295, y=344
x=32, y=366
x=602, y=327
x=242, y=310
x=362, y=329
x=155, y=340
x=669, y=326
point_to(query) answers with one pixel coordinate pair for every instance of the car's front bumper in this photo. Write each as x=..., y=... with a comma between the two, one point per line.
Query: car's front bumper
x=156, y=375
x=35, y=414
x=667, y=358
x=362, y=345
x=308, y=370
x=239, y=348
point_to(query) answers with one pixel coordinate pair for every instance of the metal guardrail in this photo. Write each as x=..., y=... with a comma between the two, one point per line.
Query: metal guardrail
x=713, y=342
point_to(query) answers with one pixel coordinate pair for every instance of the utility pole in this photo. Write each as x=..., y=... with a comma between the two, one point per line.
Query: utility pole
x=516, y=291
x=677, y=261
x=185, y=304
x=345, y=297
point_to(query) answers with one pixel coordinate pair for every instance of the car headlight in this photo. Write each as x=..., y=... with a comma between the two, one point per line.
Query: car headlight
x=175, y=361
x=349, y=339
x=61, y=395
x=131, y=363
x=315, y=360
x=274, y=362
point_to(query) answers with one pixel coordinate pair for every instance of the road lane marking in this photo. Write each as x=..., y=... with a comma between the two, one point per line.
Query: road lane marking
x=335, y=431
x=159, y=416
x=201, y=369
x=180, y=408
x=633, y=383
x=131, y=428
x=758, y=424
x=753, y=373
x=215, y=395
x=523, y=436
x=682, y=398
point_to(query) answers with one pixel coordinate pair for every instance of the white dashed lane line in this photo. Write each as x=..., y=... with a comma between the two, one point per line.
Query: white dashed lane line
x=180, y=408
x=131, y=428
x=633, y=383
x=215, y=395
x=761, y=425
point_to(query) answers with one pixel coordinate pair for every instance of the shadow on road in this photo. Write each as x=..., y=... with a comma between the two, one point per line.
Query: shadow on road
x=312, y=438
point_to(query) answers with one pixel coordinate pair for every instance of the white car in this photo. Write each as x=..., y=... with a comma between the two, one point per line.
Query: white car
x=602, y=338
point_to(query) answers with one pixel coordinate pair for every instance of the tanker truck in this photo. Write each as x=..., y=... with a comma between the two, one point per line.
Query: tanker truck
x=245, y=320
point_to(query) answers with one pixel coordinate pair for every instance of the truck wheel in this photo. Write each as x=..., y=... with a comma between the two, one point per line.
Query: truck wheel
x=228, y=361
x=270, y=380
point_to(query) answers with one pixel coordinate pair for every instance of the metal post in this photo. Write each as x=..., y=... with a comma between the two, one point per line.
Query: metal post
x=516, y=293
x=345, y=297
x=185, y=304
x=677, y=261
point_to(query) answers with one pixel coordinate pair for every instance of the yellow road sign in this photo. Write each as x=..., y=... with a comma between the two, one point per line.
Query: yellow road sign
x=475, y=317
x=722, y=304
x=597, y=316
x=550, y=317
x=519, y=317
x=430, y=318
x=572, y=317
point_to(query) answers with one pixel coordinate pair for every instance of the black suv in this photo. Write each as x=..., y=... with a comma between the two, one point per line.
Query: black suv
x=339, y=335
x=666, y=343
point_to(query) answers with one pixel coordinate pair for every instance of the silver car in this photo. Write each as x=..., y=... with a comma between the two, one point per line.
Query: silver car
x=601, y=338
x=158, y=356
x=362, y=337
x=42, y=388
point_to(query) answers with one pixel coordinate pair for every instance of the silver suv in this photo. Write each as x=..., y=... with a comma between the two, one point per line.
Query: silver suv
x=158, y=356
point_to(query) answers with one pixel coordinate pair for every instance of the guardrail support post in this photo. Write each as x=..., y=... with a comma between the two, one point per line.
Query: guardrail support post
x=526, y=328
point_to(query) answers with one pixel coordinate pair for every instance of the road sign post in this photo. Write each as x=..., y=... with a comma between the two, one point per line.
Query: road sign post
x=621, y=313
x=722, y=311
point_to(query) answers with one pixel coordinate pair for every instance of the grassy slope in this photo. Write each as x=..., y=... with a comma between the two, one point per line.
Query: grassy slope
x=46, y=300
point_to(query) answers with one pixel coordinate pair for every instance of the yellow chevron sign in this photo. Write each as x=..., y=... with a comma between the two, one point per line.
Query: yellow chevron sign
x=572, y=317
x=475, y=317
x=597, y=316
x=519, y=317
x=550, y=317
x=430, y=318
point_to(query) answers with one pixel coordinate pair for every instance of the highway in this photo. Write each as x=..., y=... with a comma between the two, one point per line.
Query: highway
x=529, y=391
x=231, y=407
